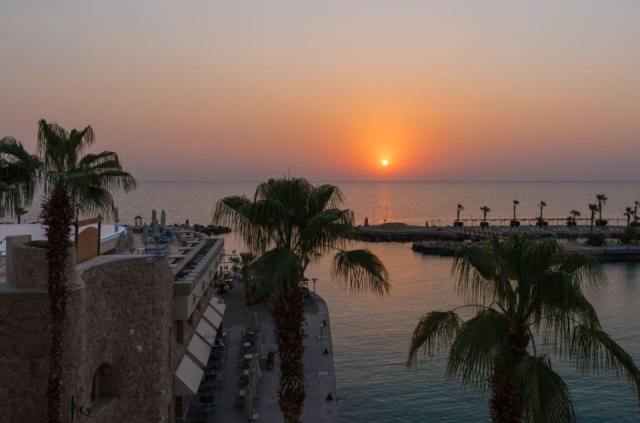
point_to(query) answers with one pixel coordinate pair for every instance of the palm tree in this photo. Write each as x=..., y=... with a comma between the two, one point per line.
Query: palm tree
x=593, y=208
x=290, y=223
x=515, y=204
x=485, y=210
x=523, y=290
x=542, y=206
x=18, y=176
x=89, y=179
x=628, y=212
x=72, y=183
x=19, y=212
x=635, y=211
x=602, y=199
x=575, y=213
x=460, y=208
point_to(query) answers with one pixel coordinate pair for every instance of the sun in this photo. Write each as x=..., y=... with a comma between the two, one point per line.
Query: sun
x=385, y=162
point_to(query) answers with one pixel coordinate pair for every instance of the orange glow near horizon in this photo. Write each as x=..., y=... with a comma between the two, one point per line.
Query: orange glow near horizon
x=385, y=162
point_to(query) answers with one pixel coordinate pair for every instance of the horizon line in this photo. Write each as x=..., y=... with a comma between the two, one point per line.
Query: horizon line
x=400, y=180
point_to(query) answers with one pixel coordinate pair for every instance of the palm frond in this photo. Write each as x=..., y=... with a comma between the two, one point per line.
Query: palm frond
x=479, y=274
x=481, y=344
x=434, y=330
x=361, y=270
x=274, y=270
x=546, y=397
x=584, y=267
x=594, y=351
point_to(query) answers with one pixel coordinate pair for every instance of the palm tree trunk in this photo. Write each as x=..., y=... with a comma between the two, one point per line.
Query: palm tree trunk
x=540, y=215
x=592, y=217
x=514, y=212
x=505, y=403
x=57, y=214
x=600, y=213
x=288, y=315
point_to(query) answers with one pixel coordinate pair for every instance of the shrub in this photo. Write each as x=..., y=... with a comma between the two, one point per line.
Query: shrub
x=628, y=236
x=601, y=223
x=595, y=240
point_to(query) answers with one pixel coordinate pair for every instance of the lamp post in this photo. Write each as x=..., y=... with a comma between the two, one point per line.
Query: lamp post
x=314, y=284
x=322, y=326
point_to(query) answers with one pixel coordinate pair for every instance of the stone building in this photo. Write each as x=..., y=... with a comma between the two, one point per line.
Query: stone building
x=137, y=327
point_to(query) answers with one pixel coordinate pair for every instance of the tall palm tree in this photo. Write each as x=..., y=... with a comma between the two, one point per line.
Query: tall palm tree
x=542, y=206
x=460, y=208
x=635, y=211
x=88, y=178
x=290, y=223
x=485, y=210
x=575, y=213
x=18, y=176
x=72, y=183
x=593, y=208
x=515, y=204
x=628, y=212
x=523, y=290
x=602, y=199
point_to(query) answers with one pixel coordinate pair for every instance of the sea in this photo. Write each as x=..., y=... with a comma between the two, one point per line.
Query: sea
x=371, y=334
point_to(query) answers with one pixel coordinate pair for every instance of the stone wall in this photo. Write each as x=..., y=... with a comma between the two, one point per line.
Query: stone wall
x=30, y=268
x=122, y=317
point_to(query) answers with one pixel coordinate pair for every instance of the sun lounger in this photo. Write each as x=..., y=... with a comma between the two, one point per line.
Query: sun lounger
x=158, y=250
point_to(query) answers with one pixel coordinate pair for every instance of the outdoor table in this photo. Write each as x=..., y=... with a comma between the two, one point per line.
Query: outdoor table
x=247, y=344
x=248, y=356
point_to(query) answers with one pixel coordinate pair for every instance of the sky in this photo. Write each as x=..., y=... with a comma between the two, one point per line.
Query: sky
x=238, y=90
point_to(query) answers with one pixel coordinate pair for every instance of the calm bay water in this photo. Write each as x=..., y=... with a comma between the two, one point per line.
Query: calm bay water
x=371, y=335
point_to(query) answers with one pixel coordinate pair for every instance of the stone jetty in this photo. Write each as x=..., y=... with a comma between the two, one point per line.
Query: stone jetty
x=437, y=248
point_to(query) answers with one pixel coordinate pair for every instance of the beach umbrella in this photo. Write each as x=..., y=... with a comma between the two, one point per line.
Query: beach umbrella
x=154, y=217
x=156, y=229
x=257, y=340
x=145, y=234
x=130, y=242
x=121, y=243
x=249, y=409
x=255, y=368
x=255, y=322
x=163, y=218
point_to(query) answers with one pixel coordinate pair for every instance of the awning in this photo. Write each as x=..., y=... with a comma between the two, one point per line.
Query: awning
x=214, y=318
x=206, y=331
x=187, y=378
x=218, y=305
x=199, y=350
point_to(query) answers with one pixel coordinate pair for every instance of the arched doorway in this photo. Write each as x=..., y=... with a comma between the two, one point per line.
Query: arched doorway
x=105, y=383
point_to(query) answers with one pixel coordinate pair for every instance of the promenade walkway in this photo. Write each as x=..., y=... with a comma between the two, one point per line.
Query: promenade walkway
x=319, y=367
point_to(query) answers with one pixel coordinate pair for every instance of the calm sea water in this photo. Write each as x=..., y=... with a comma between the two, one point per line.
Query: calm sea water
x=371, y=335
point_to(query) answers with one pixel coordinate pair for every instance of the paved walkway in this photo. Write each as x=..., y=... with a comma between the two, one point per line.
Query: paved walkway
x=319, y=367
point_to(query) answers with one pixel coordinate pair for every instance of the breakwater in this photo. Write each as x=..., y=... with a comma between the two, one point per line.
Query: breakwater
x=437, y=248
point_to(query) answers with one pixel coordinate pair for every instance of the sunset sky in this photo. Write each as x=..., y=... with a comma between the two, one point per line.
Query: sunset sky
x=237, y=90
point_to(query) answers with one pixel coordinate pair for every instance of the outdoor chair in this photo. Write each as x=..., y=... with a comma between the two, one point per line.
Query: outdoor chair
x=239, y=399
